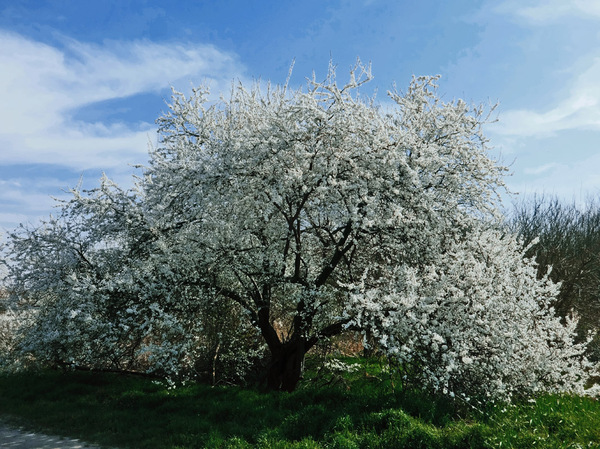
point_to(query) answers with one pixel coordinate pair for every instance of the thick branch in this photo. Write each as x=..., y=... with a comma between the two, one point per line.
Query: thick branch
x=267, y=330
x=234, y=296
x=341, y=249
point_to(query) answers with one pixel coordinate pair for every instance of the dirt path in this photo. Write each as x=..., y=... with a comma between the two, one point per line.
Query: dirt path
x=16, y=438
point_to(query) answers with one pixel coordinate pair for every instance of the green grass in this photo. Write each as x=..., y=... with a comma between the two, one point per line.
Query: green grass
x=359, y=412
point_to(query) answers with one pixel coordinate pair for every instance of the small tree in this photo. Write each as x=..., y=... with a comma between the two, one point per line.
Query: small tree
x=304, y=209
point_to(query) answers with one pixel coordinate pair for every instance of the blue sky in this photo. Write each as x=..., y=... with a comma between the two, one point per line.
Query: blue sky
x=81, y=82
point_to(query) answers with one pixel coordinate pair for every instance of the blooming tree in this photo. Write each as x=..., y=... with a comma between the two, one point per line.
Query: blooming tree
x=311, y=212
x=96, y=290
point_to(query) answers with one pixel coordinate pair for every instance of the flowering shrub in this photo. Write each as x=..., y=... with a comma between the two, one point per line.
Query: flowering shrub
x=339, y=366
x=476, y=323
x=109, y=299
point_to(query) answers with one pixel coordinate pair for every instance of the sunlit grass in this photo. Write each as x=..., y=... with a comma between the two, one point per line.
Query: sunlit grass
x=362, y=410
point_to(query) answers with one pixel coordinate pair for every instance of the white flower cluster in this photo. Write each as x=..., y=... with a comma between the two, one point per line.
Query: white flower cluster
x=475, y=323
x=339, y=366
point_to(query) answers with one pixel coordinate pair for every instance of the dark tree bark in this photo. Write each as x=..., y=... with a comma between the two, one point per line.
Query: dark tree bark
x=287, y=358
x=285, y=367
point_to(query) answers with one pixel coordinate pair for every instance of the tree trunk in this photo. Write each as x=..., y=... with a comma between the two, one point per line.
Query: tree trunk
x=285, y=368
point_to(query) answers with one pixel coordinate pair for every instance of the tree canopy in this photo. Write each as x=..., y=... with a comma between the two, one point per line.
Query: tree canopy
x=293, y=216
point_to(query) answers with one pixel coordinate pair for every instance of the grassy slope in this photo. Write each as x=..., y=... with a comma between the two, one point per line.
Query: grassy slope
x=133, y=412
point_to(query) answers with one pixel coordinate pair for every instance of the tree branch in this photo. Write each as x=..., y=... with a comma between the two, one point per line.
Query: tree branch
x=337, y=256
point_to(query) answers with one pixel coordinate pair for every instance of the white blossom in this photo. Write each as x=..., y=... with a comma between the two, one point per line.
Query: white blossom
x=295, y=215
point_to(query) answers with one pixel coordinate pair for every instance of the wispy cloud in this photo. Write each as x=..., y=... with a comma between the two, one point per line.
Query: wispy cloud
x=43, y=85
x=545, y=11
x=578, y=109
x=570, y=180
x=573, y=100
x=26, y=199
x=541, y=169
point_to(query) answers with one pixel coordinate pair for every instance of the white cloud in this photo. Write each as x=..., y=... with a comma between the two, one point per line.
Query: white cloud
x=579, y=109
x=26, y=200
x=569, y=180
x=545, y=11
x=41, y=85
x=541, y=169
